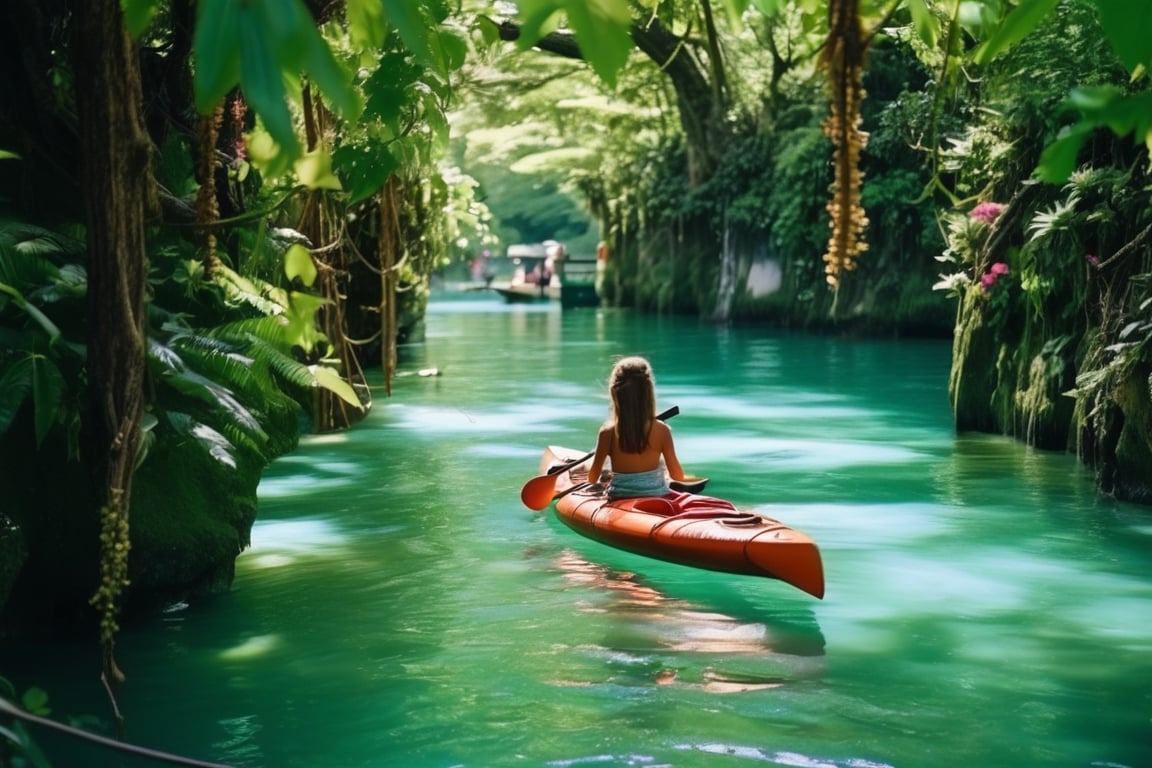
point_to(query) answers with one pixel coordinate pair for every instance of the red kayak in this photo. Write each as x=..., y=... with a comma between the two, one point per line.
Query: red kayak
x=685, y=528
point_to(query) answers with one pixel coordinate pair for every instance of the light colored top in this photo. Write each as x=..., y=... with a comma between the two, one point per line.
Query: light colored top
x=630, y=485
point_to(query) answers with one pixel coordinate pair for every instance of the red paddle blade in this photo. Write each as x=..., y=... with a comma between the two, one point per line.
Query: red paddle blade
x=537, y=492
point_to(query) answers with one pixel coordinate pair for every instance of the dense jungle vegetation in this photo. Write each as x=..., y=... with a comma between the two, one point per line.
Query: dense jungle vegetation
x=215, y=216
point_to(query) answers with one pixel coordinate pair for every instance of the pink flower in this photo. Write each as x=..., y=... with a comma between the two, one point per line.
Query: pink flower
x=987, y=281
x=999, y=268
x=1093, y=260
x=987, y=212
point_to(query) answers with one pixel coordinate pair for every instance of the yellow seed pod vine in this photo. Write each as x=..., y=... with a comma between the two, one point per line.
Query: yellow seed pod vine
x=843, y=57
x=114, y=547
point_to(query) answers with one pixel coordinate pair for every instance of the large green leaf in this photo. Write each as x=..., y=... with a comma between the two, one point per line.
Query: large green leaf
x=138, y=15
x=33, y=311
x=1058, y=160
x=260, y=45
x=217, y=445
x=314, y=171
x=298, y=263
x=770, y=8
x=1127, y=25
x=1014, y=27
x=301, y=330
x=216, y=48
x=299, y=47
x=364, y=169
x=15, y=384
x=602, y=28
x=416, y=29
x=47, y=386
x=204, y=390
x=367, y=24
x=330, y=380
x=925, y=23
x=388, y=89
x=452, y=45
x=262, y=81
x=1099, y=107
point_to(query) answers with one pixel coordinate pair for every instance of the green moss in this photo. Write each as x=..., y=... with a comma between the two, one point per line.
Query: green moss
x=191, y=516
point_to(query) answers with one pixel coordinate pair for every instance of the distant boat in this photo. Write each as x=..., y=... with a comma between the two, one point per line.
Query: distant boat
x=567, y=279
x=523, y=293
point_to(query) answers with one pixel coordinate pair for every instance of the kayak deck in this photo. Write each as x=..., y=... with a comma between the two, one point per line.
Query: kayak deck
x=686, y=528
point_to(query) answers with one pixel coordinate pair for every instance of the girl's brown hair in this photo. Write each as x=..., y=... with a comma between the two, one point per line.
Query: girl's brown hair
x=633, y=390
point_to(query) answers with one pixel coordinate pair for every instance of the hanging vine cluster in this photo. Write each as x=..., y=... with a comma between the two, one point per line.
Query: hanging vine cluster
x=207, y=206
x=114, y=547
x=843, y=57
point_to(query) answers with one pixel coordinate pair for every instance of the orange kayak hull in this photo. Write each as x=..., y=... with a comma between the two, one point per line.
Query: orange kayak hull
x=688, y=529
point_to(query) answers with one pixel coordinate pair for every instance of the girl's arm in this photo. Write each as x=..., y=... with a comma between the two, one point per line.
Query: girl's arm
x=603, y=442
x=668, y=451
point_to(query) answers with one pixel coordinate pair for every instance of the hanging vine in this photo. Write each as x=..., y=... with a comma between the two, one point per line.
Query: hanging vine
x=843, y=57
x=389, y=245
x=323, y=227
x=207, y=206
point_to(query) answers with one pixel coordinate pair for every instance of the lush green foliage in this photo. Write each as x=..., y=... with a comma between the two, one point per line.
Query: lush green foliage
x=220, y=386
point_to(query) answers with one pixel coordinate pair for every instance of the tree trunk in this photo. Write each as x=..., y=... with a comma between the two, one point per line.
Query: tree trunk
x=119, y=194
x=389, y=246
x=726, y=290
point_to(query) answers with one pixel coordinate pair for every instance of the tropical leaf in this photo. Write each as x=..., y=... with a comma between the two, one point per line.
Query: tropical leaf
x=216, y=48
x=1059, y=159
x=1126, y=24
x=602, y=28
x=138, y=15
x=367, y=23
x=925, y=23
x=365, y=168
x=32, y=310
x=330, y=379
x=35, y=700
x=418, y=29
x=290, y=370
x=47, y=389
x=271, y=330
x=298, y=263
x=1060, y=217
x=15, y=384
x=314, y=171
x=1013, y=28
x=219, y=361
x=262, y=78
x=301, y=329
x=239, y=419
x=217, y=445
x=261, y=296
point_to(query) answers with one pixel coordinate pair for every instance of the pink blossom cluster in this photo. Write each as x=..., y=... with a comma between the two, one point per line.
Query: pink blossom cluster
x=986, y=212
x=992, y=275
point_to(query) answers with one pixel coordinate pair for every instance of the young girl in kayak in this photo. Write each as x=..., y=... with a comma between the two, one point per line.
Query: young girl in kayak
x=634, y=439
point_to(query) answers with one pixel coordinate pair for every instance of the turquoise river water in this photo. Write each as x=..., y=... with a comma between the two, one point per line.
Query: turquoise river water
x=400, y=607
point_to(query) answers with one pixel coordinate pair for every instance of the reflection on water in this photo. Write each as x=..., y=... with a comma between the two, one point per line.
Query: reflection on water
x=399, y=607
x=656, y=638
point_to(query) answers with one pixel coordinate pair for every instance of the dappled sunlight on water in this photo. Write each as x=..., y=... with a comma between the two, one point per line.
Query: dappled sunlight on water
x=400, y=607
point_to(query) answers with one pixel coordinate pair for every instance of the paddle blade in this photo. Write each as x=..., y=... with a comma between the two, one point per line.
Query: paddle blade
x=537, y=493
